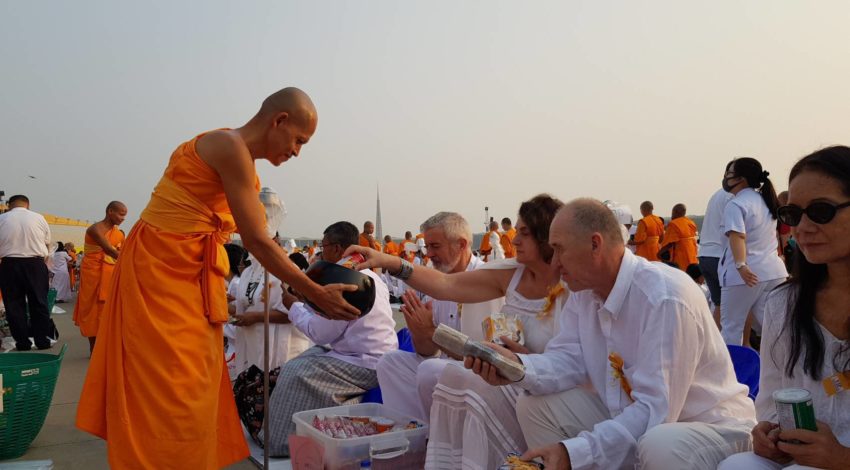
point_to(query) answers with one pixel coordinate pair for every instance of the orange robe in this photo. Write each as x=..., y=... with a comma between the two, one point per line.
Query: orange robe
x=365, y=242
x=507, y=241
x=485, y=247
x=72, y=271
x=157, y=387
x=95, y=281
x=682, y=232
x=391, y=248
x=650, y=230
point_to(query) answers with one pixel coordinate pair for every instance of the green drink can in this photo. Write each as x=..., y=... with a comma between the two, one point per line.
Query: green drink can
x=794, y=409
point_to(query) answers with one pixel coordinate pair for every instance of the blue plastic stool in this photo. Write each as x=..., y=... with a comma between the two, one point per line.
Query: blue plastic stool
x=405, y=343
x=747, y=366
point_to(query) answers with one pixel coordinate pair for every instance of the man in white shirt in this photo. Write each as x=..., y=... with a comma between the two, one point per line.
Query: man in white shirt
x=24, y=280
x=408, y=379
x=341, y=367
x=639, y=374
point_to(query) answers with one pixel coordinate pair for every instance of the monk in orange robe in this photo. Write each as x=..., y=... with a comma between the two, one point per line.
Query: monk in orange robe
x=390, y=246
x=367, y=238
x=72, y=270
x=102, y=243
x=650, y=230
x=157, y=387
x=403, y=252
x=506, y=239
x=680, y=239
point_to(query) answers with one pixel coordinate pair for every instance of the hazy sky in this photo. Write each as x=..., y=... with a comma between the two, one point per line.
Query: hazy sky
x=448, y=105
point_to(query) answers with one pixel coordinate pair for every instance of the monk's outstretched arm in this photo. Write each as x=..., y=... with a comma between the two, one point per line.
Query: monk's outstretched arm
x=465, y=287
x=228, y=155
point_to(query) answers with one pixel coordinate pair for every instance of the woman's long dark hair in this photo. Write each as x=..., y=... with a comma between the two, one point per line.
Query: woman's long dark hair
x=750, y=169
x=537, y=213
x=806, y=339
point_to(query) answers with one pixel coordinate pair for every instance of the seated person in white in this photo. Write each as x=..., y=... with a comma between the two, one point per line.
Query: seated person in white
x=407, y=379
x=806, y=342
x=285, y=341
x=474, y=425
x=341, y=368
x=664, y=390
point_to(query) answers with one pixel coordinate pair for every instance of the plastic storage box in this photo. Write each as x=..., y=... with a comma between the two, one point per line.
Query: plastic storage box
x=397, y=450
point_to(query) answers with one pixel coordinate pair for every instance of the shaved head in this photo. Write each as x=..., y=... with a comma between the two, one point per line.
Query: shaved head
x=586, y=216
x=647, y=206
x=116, y=206
x=494, y=225
x=291, y=101
x=679, y=210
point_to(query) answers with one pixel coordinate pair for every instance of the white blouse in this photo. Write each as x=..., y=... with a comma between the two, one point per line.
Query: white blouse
x=834, y=410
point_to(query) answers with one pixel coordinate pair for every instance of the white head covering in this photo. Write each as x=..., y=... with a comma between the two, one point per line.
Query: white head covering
x=623, y=213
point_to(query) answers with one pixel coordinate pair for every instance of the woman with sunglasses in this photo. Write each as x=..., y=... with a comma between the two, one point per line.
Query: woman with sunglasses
x=807, y=323
x=750, y=267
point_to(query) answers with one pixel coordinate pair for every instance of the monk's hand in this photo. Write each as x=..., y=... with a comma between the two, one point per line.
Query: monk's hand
x=488, y=371
x=818, y=449
x=555, y=456
x=765, y=437
x=374, y=259
x=330, y=301
x=748, y=276
x=514, y=346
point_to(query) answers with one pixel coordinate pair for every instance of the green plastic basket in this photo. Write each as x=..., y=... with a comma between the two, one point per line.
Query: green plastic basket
x=28, y=383
x=51, y=301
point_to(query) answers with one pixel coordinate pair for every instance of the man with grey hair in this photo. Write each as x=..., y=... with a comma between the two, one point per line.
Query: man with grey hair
x=408, y=379
x=662, y=392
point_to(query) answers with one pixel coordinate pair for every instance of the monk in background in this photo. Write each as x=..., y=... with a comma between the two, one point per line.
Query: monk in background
x=157, y=387
x=102, y=244
x=402, y=251
x=390, y=246
x=72, y=268
x=506, y=239
x=367, y=238
x=680, y=239
x=650, y=230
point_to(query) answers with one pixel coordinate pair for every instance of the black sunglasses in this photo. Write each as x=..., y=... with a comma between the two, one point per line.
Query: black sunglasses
x=817, y=212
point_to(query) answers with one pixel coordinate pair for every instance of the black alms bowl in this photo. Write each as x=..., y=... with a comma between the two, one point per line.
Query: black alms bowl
x=324, y=273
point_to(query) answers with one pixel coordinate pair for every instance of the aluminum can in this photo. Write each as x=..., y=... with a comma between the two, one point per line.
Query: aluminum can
x=794, y=409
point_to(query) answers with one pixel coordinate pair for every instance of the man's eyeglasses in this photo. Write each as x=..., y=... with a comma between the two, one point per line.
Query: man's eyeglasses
x=817, y=212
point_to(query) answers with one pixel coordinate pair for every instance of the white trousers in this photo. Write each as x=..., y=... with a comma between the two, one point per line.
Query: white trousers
x=751, y=461
x=408, y=380
x=738, y=301
x=553, y=418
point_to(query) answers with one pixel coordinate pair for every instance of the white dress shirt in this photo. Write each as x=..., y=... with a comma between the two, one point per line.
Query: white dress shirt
x=445, y=311
x=359, y=342
x=748, y=214
x=496, y=245
x=834, y=410
x=679, y=369
x=23, y=234
x=712, y=237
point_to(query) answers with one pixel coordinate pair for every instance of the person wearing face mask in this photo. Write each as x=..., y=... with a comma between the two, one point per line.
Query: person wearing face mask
x=807, y=324
x=750, y=267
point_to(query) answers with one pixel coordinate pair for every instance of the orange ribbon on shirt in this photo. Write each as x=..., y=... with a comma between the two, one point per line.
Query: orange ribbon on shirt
x=617, y=365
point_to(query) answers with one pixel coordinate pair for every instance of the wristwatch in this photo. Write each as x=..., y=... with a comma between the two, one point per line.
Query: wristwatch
x=740, y=265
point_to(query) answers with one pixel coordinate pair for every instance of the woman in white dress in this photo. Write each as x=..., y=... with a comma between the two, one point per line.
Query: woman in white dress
x=806, y=342
x=61, y=278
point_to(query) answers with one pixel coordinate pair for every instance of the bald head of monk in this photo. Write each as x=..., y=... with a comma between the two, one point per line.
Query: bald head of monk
x=679, y=210
x=286, y=120
x=368, y=228
x=646, y=208
x=494, y=226
x=116, y=212
x=588, y=245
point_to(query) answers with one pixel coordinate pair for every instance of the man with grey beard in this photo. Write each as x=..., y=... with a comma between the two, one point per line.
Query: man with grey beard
x=407, y=379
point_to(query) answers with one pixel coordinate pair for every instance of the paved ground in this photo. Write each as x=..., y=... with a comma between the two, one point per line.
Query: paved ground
x=59, y=440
